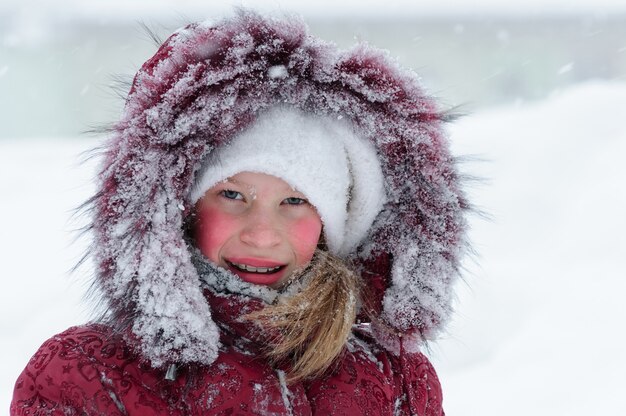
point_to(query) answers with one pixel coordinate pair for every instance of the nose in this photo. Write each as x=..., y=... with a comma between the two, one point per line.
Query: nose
x=261, y=232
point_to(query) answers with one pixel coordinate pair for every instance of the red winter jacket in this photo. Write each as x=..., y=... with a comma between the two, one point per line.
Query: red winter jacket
x=87, y=370
x=208, y=82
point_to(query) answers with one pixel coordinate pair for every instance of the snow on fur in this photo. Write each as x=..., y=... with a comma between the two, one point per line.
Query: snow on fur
x=205, y=84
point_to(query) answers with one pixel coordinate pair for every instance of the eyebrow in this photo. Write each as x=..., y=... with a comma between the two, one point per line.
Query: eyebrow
x=236, y=182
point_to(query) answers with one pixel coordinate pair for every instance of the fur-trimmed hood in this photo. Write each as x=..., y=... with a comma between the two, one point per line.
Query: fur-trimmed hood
x=205, y=84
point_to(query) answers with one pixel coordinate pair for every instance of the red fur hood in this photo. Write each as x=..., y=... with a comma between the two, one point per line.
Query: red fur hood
x=206, y=83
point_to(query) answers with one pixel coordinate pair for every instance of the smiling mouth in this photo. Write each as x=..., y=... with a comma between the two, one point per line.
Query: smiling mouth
x=252, y=269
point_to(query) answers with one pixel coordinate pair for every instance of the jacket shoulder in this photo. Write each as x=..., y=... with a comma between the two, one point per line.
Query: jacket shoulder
x=417, y=386
x=368, y=379
x=70, y=374
x=422, y=384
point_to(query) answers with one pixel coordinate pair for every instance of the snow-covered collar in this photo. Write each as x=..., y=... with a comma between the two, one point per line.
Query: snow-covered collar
x=231, y=299
x=222, y=281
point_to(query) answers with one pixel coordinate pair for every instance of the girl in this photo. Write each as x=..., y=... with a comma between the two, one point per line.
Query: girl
x=277, y=231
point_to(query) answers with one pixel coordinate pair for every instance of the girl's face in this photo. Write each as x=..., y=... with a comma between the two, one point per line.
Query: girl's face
x=258, y=227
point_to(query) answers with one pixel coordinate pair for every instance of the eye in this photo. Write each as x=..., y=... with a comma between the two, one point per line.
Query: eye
x=295, y=201
x=229, y=194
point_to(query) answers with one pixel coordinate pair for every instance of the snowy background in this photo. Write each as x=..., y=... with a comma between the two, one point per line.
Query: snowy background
x=540, y=320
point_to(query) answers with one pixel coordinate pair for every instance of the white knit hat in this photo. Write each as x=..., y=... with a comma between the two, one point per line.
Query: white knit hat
x=337, y=171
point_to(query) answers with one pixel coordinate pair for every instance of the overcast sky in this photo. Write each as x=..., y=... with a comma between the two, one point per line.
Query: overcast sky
x=153, y=8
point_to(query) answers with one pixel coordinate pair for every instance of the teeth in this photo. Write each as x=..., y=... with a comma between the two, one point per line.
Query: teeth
x=253, y=269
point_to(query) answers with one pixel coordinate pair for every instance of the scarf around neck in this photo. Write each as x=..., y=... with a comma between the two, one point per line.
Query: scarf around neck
x=232, y=298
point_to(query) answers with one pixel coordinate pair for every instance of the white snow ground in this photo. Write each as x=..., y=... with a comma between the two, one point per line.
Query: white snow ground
x=538, y=324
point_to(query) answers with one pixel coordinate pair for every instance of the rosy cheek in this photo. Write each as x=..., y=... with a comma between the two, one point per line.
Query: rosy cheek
x=214, y=229
x=306, y=235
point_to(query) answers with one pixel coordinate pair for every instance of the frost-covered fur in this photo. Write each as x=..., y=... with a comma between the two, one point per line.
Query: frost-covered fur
x=205, y=84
